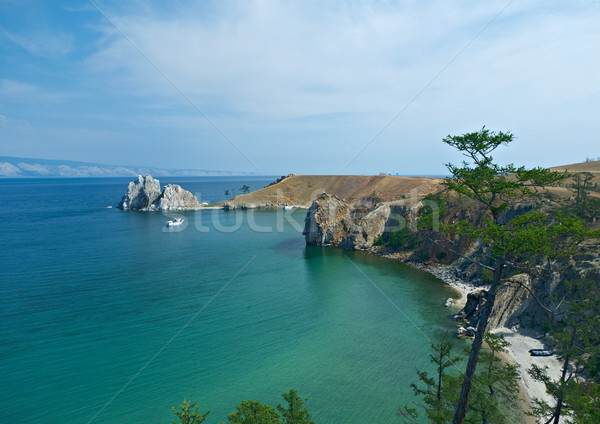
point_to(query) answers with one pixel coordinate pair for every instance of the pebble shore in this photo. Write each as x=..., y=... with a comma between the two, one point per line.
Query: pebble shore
x=445, y=273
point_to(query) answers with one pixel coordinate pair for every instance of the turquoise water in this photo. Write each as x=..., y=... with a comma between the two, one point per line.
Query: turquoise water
x=107, y=317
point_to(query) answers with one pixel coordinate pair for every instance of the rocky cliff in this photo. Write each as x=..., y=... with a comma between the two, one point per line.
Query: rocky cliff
x=392, y=227
x=174, y=197
x=145, y=194
x=331, y=221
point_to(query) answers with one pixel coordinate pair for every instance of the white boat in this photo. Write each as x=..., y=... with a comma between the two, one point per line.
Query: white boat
x=175, y=222
x=288, y=208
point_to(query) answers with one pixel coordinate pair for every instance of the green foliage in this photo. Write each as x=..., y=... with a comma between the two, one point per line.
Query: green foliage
x=435, y=208
x=582, y=184
x=589, y=209
x=295, y=413
x=586, y=207
x=404, y=238
x=496, y=385
x=530, y=234
x=187, y=414
x=252, y=412
x=245, y=189
x=577, y=341
x=487, y=275
x=437, y=402
x=489, y=183
x=584, y=399
x=399, y=239
x=533, y=234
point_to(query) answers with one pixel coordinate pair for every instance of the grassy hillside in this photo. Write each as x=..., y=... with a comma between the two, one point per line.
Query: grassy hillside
x=580, y=167
x=301, y=190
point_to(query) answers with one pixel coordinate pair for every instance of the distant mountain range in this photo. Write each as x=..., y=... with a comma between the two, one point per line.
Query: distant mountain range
x=11, y=167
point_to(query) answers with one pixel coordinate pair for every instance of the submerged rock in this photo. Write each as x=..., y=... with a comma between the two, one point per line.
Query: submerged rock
x=144, y=194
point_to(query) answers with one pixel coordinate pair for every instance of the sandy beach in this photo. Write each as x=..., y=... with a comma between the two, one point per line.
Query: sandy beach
x=518, y=353
x=520, y=340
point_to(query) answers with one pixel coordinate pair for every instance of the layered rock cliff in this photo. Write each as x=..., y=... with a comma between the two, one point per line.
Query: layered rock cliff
x=331, y=221
x=144, y=194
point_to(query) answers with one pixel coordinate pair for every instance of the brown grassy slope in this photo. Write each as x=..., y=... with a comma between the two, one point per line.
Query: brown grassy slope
x=591, y=167
x=580, y=167
x=301, y=190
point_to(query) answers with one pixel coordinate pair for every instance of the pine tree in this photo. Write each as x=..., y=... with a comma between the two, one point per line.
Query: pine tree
x=187, y=414
x=496, y=385
x=529, y=235
x=253, y=412
x=437, y=399
x=577, y=342
x=295, y=413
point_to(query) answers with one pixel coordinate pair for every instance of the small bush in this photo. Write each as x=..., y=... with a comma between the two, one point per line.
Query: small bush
x=487, y=275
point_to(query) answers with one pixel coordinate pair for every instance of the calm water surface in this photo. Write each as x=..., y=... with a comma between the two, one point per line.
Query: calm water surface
x=106, y=316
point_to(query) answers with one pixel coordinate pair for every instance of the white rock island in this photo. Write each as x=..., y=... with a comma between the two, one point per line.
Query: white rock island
x=144, y=194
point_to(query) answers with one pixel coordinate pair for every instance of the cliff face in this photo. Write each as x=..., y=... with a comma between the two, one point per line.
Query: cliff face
x=144, y=194
x=174, y=197
x=141, y=193
x=331, y=221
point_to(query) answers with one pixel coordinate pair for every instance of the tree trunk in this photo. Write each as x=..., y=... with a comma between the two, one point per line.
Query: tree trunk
x=489, y=376
x=559, y=401
x=463, y=402
x=440, y=372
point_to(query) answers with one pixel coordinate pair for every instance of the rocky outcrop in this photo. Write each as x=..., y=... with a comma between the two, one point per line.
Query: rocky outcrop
x=512, y=301
x=331, y=221
x=521, y=300
x=280, y=179
x=144, y=194
x=141, y=193
x=174, y=197
x=327, y=221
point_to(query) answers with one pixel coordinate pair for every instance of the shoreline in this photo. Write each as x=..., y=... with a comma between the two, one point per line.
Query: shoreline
x=446, y=273
x=518, y=354
x=520, y=340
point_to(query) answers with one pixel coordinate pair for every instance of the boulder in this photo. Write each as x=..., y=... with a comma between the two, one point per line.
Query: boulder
x=470, y=313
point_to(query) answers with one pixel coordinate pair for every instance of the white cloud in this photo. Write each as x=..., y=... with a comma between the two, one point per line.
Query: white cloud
x=325, y=77
x=42, y=43
x=20, y=92
x=285, y=60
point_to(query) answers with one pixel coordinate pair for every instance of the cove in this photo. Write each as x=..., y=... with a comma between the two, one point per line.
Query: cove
x=106, y=316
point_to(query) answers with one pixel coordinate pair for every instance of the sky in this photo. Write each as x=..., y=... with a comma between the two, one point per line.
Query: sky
x=310, y=87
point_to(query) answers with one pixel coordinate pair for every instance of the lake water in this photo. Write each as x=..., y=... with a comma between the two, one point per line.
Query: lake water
x=108, y=317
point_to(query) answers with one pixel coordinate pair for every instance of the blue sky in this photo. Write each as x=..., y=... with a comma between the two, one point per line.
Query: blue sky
x=297, y=86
